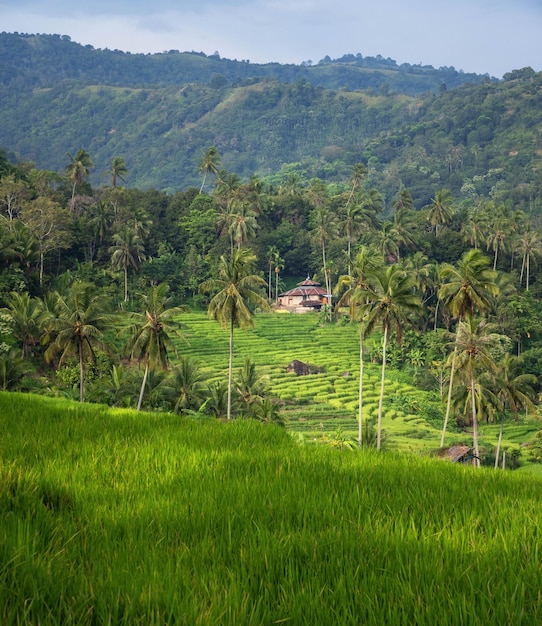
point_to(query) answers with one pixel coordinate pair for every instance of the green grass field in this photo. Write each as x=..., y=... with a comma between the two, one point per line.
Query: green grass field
x=109, y=516
x=318, y=404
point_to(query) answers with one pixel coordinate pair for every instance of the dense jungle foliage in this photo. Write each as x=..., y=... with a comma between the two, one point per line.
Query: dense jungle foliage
x=94, y=282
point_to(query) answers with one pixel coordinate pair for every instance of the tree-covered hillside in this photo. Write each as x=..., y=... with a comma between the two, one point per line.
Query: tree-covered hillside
x=475, y=139
x=44, y=60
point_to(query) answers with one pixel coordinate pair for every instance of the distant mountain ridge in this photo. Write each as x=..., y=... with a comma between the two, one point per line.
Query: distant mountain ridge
x=43, y=60
x=160, y=112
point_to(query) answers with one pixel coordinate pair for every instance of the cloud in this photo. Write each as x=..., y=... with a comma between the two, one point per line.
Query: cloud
x=485, y=36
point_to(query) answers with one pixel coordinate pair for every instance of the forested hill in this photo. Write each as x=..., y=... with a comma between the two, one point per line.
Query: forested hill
x=475, y=139
x=44, y=60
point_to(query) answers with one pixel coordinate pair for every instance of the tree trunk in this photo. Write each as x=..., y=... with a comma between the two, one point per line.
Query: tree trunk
x=449, y=400
x=381, y=399
x=498, y=451
x=125, y=284
x=474, y=424
x=230, y=368
x=360, y=388
x=81, y=373
x=142, y=390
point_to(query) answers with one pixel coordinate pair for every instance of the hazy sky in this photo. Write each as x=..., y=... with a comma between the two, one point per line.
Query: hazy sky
x=483, y=36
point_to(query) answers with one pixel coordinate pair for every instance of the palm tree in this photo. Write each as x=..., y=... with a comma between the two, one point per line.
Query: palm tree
x=279, y=265
x=358, y=174
x=186, y=384
x=391, y=302
x=243, y=223
x=355, y=297
x=235, y=288
x=324, y=228
x=515, y=390
x=530, y=247
x=474, y=341
x=210, y=164
x=78, y=170
x=153, y=332
x=466, y=290
x=78, y=327
x=118, y=170
x=127, y=251
x=28, y=316
x=250, y=384
x=439, y=211
x=272, y=252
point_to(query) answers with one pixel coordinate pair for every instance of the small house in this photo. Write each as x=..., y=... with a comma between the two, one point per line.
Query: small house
x=307, y=296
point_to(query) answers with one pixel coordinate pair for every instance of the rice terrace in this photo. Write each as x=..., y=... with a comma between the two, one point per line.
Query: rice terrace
x=112, y=516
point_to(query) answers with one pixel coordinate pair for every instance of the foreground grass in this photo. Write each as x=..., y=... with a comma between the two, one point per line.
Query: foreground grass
x=114, y=517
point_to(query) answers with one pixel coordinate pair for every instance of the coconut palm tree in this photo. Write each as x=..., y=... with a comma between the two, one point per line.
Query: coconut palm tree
x=27, y=314
x=466, y=289
x=355, y=297
x=391, y=303
x=474, y=341
x=515, y=389
x=127, y=251
x=324, y=228
x=236, y=287
x=153, y=332
x=210, y=164
x=118, y=170
x=77, y=328
x=439, y=211
x=243, y=223
x=530, y=248
x=279, y=265
x=78, y=170
x=186, y=385
x=272, y=252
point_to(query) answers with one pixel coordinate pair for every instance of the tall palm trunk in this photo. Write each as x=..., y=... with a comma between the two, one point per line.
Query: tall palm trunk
x=230, y=369
x=449, y=399
x=125, y=283
x=143, y=384
x=81, y=373
x=474, y=423
x=381, y=399
x=360, y=388
x=499, y=442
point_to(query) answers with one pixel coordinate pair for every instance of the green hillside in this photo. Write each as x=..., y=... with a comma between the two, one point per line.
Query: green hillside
x=159, y=112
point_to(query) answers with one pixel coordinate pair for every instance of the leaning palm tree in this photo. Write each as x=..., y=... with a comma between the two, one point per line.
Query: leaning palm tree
x=235, y=288
x=153, y=332
x=391, y=303
x=77, y=328
x=466, y=289
x=209, y=164
x=355, y=297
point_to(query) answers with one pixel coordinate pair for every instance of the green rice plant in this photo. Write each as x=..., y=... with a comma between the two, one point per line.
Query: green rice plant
x=113, y=517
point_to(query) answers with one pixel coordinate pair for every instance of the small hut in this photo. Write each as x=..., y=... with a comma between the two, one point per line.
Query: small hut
x=307, y=296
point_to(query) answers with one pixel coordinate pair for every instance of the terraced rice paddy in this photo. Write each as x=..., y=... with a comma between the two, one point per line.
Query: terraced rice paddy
x=317, y=403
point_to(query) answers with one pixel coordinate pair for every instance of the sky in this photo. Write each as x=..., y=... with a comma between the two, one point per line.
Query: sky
x=483, y=36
